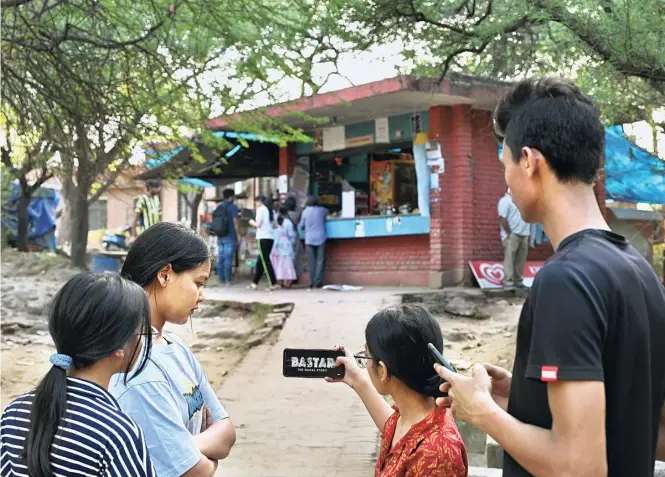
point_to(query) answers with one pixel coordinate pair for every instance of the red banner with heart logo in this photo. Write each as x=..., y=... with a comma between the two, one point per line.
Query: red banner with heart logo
x=490, y=274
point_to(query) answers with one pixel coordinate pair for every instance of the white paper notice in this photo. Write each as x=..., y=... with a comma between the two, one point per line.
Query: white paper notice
x=328, y=142
x=382, y=131
x=283, y=184
x=434, y=156
x=348, y=204
x=433, y=150
x=360, y=228
x=334, y=139
x=389, y=225
x=434, y=181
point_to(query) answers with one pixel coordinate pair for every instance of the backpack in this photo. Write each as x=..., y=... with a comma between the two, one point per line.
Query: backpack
x=220, y=220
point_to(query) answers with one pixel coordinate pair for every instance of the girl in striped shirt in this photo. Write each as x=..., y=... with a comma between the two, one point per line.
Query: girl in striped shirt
x=70, y=425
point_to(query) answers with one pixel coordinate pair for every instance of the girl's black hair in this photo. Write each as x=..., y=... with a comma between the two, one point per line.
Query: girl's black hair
x=283, y=214
x=90, y=318
x=398, y=336
x=163, y=244
x=268, y=203
x=290, y=203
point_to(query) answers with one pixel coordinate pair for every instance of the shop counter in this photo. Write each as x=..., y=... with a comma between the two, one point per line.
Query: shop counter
x=376, y=226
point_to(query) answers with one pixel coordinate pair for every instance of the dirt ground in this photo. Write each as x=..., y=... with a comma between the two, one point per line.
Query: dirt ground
x=217, y=333
x=488, y=337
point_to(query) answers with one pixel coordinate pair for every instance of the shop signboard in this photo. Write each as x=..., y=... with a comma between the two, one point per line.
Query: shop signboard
x=490, y=274
x=381, y=130
x=334, y=138
x=359, y=141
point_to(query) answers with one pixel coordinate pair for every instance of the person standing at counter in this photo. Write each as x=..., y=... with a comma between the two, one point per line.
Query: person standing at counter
x=313, y=222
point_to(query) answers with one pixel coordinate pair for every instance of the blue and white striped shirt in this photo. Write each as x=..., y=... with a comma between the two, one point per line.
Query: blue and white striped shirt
x=94, y=438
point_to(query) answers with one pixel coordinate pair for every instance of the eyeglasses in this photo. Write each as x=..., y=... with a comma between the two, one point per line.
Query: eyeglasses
x=362, y=358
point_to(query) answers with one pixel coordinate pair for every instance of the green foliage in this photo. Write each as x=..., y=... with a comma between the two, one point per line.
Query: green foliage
x=101, y=78
x=614, y=48
x=5, y=182
x=658, y=260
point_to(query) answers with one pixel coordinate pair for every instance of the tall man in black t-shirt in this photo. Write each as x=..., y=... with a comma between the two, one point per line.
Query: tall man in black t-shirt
x=586, y=394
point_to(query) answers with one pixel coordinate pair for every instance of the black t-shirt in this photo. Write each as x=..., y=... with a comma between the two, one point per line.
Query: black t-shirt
x=596, y=312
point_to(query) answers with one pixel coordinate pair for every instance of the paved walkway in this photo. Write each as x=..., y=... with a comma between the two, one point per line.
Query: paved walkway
x=301, y=427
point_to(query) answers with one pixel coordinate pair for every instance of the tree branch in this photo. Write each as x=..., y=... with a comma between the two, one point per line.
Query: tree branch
x=597, y=42
x=13, y=3
x=44, y=175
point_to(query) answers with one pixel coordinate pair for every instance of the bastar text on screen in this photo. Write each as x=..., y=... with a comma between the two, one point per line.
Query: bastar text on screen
x=312, y=363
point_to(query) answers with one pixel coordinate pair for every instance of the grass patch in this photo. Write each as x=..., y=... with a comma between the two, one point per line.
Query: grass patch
x=259, y=313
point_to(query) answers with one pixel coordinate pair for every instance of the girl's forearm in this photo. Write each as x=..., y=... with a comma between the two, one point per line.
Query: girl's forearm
x=216, y=441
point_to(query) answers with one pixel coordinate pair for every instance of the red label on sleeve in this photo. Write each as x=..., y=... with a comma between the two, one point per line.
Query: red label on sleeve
x=549, y=373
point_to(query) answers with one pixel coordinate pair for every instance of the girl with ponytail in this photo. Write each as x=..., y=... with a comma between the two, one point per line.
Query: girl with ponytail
x=70, y=425
x=419, y=439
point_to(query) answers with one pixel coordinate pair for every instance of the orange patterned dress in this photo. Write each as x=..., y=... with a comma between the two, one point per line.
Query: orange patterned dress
x=431, y=448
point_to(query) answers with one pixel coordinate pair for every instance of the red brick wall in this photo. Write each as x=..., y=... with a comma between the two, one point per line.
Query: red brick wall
x=399, y=261
x=452, y=206
x=440, y=118
x=287, y=159
x=489, y=185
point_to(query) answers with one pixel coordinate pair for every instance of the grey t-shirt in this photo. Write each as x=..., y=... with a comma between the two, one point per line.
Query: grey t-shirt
x=509, y=211
x=166, y=401
x=313, y=220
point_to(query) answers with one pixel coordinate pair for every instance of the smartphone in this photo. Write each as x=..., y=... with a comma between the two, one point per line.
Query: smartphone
x=438, y=357
x=312, y=363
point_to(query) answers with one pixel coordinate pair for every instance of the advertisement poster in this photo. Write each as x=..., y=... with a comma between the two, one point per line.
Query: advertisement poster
x=490, y=274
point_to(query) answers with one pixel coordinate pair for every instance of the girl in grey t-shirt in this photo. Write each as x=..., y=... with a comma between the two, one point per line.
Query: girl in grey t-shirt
x=186, y=427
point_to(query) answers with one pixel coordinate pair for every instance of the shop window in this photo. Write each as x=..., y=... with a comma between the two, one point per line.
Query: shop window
x=97, y=215
x=184, y=206
x=383, y=183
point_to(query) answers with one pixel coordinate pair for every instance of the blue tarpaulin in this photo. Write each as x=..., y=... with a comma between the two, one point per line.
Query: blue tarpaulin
x=166, y=156
x=631, y=174
x=196, y=182
x=41, y=215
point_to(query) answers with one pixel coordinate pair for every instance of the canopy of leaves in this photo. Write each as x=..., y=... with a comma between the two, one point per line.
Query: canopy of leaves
x=614, y=48
x=99, y=75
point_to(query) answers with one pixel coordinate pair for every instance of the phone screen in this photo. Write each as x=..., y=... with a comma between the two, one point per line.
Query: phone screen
x=312, y=363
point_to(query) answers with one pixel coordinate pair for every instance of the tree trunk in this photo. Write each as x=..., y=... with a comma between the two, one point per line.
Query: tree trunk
x=195, y=209
x=79, y=227
x=23, y=221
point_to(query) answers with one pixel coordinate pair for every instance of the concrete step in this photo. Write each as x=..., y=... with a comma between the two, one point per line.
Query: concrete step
x=488, y=472
x=493, y=454
x=660, y=469
x=484, y=472
x=474, y=439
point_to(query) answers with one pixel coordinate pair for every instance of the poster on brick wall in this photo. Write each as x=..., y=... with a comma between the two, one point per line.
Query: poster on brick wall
x=490, y=274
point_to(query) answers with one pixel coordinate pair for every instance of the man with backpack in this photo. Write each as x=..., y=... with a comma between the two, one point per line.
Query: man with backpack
x=225, y=227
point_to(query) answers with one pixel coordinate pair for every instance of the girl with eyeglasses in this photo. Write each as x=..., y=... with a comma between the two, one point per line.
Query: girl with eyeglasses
x=70, y=425
x=418, y=439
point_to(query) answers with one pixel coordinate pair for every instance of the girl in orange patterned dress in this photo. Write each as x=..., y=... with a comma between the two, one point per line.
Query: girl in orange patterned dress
x=418, y=439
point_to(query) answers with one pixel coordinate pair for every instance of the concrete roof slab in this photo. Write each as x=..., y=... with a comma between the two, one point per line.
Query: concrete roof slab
x=390, y=97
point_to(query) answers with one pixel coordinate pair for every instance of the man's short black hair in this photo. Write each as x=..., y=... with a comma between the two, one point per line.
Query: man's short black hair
x=552, y=115
x=228, y=193
x=153, y=183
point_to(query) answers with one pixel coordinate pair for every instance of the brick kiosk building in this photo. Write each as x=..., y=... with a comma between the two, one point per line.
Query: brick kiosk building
x=428, y=251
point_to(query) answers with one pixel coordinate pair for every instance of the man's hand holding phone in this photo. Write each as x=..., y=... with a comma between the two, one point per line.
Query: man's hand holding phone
x=501, y=381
